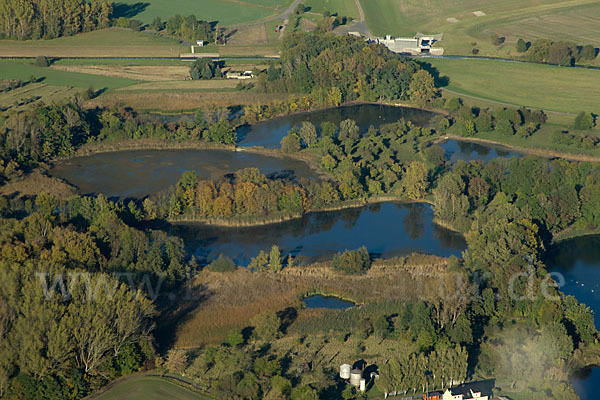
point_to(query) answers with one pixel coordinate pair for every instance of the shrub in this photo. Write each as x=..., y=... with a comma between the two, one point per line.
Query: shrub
x=89, y=94
x=497, y=40
x=588, y=52
x=505, y=127
x=453, y=104
x=435, y=154
x=135, y=25
x=522, y=46
x=41, y=61
x=584, y=121
x=443, y=125
x=290, y=143
x=222, y=264
x=352, y=261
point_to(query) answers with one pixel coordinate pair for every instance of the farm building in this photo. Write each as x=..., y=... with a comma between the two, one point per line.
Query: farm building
x=239, y=75
x=472, y=391
x=419, y=44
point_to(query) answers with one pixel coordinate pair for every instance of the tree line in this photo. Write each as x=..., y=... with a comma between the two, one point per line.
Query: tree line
x=562, y=53
x=49, y=19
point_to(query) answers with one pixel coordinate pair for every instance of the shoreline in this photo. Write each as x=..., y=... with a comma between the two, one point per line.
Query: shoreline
x=525, y=150
x=248, y=222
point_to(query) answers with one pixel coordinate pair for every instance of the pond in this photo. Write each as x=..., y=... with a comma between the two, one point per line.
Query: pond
x=467, y=151
x=386, y=229
x=138, y=173
x=269, y=133
x=329, y=302
x=578, y=260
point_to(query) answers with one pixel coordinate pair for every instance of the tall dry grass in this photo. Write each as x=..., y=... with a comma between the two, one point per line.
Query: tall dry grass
x=234, y=298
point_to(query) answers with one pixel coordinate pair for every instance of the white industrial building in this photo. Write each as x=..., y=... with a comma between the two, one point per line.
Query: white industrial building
x=419, y=44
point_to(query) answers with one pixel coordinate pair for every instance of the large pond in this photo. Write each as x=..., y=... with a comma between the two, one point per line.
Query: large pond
x=578, y=260
x=468, y=151
x=269, y=133
x=142, y=172
x=386, y=229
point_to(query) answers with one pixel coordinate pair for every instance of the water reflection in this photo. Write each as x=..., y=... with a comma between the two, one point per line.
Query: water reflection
x=388, y=229
x=330, y=302
x=142, y=172
x=578, y=260
x=467, y=151
x=269, y=133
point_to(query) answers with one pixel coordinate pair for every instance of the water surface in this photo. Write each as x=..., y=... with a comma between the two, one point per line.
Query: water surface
x=467, y=151
x=387, y=230
x=330, y=302
x=269, y=133
x=142, y=172
x=578, y=260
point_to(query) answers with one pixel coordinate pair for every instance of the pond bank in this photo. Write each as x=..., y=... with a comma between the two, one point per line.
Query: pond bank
x=526, y=150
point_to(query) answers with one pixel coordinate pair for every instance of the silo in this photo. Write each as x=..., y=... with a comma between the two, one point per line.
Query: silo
x=355, y=377
x=363, y=385
x=345, y=371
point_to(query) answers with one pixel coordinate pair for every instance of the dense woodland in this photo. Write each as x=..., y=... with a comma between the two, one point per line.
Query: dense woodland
x=343, y=68
x=49, y=19
x=58, y=255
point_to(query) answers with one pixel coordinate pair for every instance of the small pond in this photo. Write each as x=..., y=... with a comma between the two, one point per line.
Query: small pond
x=329, y=302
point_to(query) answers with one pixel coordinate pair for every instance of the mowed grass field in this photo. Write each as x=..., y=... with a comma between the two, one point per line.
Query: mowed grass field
x=25, y=69
x=148, y=388
x=19, y=99
x=576, y=20
x=548, y=87
x=112, y=42
x=341, y=7
x=225, y=12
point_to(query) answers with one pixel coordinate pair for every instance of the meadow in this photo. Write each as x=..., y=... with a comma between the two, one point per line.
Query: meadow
x=148, y=388
x=341, y=7
x=225, y=12
x=25, y=69
x=576, y=20
x=548, y=87
x=112, y=42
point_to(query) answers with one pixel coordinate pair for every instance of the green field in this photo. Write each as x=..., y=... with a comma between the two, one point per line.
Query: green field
x=24, y=69
x=106, y=42
x=148, y=388
x=576, y=20
x=341, y=7
x=532, y=85
x=226, y=12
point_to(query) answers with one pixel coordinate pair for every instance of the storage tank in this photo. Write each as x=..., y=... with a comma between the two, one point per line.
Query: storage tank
x=363, y=385
x=345, y=371
x=355, y=377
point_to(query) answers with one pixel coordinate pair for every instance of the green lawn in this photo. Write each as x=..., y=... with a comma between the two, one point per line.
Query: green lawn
x=148, y=388
x=24, y=69
x=577, y=20
x=532, y=85
x=226, y=12
x=106, y=42
x=341, y=7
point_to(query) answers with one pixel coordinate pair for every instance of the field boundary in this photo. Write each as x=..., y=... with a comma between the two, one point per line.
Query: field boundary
x=179, y=381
